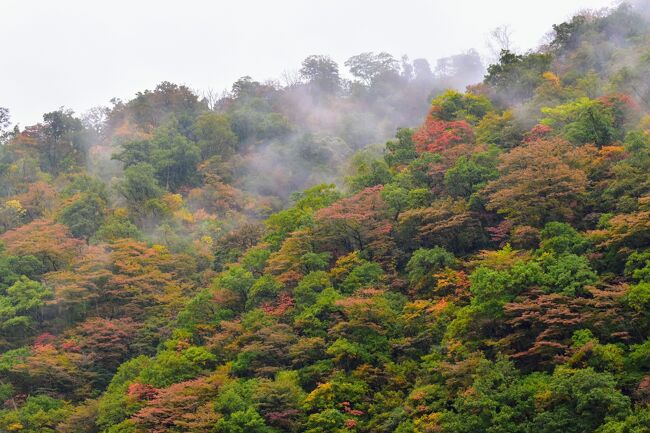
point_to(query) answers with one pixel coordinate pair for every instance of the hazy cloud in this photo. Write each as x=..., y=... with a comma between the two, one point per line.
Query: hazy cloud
x=82, y=53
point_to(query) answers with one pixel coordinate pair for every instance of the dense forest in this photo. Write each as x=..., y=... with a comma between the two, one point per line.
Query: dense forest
x=253, y=262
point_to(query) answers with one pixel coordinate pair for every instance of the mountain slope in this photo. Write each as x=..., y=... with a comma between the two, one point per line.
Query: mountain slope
x=488, y=270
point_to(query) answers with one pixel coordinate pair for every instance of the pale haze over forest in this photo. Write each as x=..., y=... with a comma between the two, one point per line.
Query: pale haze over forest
x=336, y=216
x=81, y=53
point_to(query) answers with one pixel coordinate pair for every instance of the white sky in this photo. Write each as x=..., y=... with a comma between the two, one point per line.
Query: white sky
x=81, y=53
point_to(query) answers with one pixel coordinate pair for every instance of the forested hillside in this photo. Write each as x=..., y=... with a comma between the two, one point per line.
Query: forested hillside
x=254, y=262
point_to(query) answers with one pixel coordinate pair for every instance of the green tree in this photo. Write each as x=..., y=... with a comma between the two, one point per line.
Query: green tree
x=84, y=216
x=369, y=67
x=214, y=135
x=561, y=238
x=139, y=185
x=469, y=174
x=20, y=307
x=453, y=105
x=62, y=141
x=583, y=121
x=116, y=227
x=515, y=76
x=400, y=151
x=265, y=289
x=321, y=72
x=170, y=153
x=425, y=262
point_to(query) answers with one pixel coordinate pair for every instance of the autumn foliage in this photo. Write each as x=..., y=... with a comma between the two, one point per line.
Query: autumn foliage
x=436, y=135
x=175, y=263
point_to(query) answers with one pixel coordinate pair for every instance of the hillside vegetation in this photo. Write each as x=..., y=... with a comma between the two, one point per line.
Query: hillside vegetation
x=249, y=263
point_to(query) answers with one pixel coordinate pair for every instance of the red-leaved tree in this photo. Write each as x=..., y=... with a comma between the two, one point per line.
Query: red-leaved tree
x=436, y=135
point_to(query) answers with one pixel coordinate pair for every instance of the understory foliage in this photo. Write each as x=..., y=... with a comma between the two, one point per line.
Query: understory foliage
x=175, y=264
